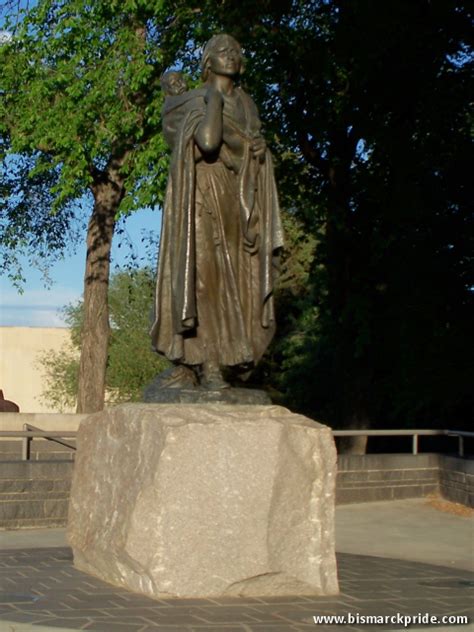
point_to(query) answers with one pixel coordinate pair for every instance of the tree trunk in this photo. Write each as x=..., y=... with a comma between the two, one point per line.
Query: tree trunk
x=343, y=269
x=354, y=445
x=95, y=329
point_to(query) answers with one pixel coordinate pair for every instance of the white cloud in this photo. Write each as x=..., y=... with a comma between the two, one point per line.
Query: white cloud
x=35, y=308
x=30, y=316
x=5, y=36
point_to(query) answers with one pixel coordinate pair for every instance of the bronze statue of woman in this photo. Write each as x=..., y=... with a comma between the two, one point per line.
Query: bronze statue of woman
x=221, y=226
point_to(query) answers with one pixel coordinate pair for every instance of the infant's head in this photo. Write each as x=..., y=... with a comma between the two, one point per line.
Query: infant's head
x=173, y=83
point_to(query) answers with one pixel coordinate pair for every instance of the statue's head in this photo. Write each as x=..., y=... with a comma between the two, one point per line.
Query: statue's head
x=173, y=83
x=222, y=55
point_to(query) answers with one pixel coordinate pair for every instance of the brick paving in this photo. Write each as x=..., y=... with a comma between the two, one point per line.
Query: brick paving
x=41, y=587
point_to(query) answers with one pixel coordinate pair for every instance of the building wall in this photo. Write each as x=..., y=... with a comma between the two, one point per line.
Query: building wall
x=21, y=378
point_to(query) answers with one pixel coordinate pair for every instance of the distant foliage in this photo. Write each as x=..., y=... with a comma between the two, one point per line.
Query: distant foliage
x=60, y=369
x=131, y=362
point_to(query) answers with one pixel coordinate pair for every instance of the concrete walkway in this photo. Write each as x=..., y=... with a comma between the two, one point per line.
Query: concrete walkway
x=394, y=557
x=401, y=529
x=406, y=530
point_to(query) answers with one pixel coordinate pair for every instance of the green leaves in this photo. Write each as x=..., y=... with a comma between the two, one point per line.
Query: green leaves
x=131, y=364
x=79, y=91
x=80, y=82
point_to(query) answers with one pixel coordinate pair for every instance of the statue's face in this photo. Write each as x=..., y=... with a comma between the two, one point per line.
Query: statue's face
x=175, y=84
x=224, y=58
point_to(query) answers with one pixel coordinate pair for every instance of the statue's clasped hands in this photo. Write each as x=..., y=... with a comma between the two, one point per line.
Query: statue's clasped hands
x=259, y=147
x=214, y=99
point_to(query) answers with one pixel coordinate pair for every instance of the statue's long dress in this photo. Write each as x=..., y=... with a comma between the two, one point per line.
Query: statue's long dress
x=221, y=229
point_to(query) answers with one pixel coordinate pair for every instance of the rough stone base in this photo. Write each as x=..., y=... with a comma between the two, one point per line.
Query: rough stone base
x=205, y=500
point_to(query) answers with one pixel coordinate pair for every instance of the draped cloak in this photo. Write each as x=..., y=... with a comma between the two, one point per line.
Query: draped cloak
x=220, y=235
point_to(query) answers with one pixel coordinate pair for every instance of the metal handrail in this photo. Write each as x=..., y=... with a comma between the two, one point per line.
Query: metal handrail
x=460, y=434
x=415, y=433
x=30, y=432
x=41, y=433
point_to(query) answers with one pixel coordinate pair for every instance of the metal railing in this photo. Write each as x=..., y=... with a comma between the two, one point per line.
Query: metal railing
x=30, y=432
x=414, y=433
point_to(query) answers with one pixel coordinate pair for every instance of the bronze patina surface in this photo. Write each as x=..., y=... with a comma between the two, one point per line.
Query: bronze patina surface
x=221, y=225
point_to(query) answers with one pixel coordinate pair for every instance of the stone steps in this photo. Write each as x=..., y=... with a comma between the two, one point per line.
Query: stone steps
x=34, y=493
x=375, y=477
x=40, y=449
x=32, y=486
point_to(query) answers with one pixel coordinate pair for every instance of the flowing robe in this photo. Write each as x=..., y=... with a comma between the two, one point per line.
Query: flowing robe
x=220, y=235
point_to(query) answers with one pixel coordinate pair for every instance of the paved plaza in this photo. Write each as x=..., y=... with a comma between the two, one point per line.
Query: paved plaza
x=43, y=591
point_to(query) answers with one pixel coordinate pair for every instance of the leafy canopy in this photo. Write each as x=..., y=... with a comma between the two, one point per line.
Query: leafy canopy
x=80, y=95
x=80, y=85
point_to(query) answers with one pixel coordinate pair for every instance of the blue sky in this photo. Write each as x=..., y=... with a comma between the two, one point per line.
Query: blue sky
x=39, y=306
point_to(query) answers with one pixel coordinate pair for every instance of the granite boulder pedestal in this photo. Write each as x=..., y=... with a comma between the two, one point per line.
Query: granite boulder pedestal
x=205, y=500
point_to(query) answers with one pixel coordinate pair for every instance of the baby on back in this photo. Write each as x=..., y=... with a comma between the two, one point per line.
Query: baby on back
x=175, y=88
x=173, y=83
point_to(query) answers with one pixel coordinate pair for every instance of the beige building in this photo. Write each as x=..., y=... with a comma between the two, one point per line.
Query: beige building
x=21, y=377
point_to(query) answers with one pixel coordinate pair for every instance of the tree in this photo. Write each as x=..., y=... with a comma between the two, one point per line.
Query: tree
x=365, y=107
x=130, y=364
x=27, y=227
x=367, y=110
x=80, y=118
x=380, y=118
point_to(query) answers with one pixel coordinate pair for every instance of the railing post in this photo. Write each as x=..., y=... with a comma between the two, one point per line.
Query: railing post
x=414, y=449
x=25, y=445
